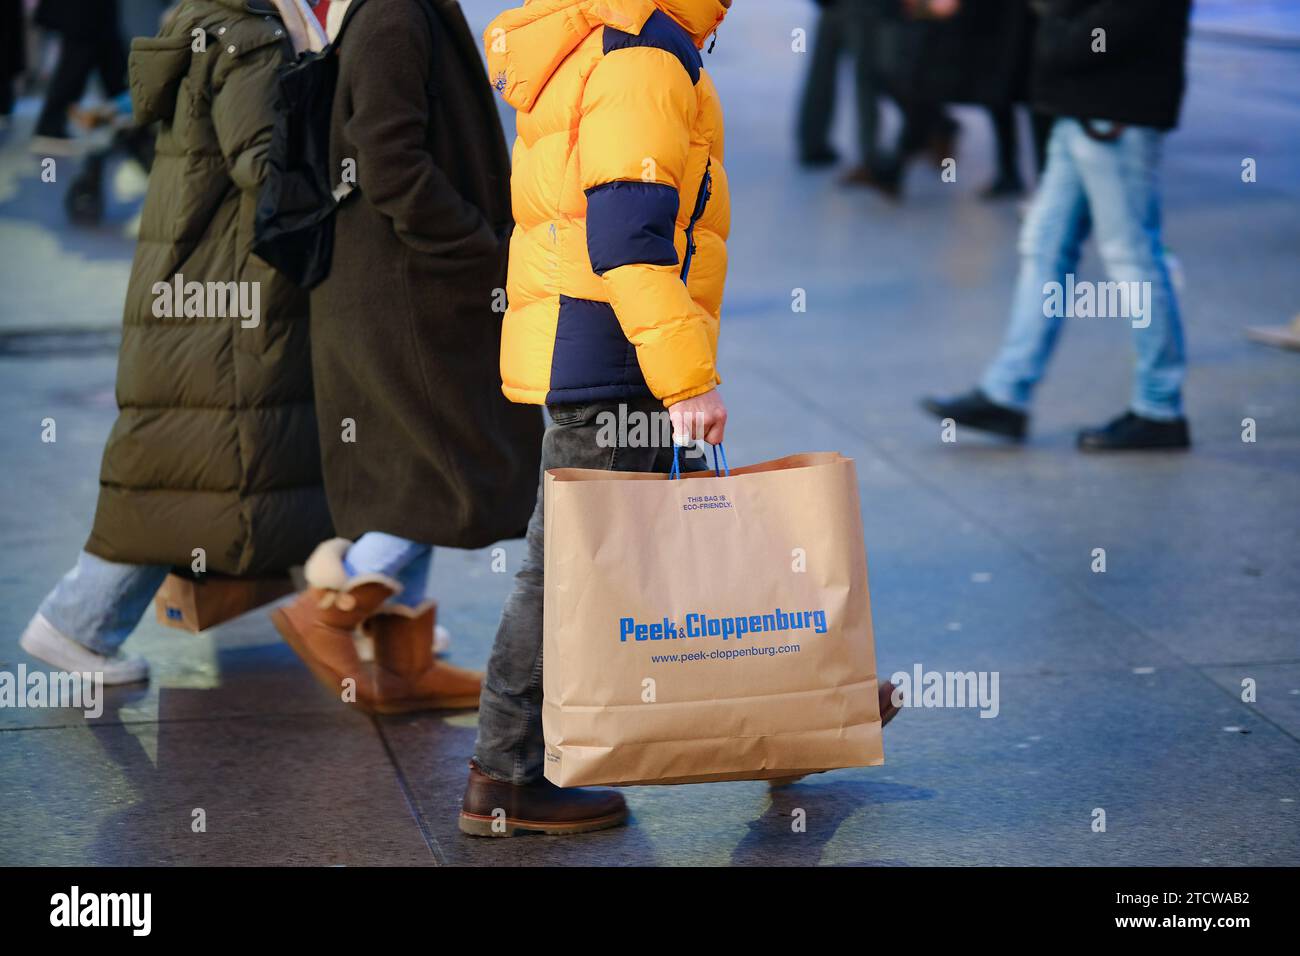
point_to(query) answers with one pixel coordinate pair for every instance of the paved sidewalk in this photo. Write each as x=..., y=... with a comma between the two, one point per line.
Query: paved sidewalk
x=1275, y=22
x=1119, y=691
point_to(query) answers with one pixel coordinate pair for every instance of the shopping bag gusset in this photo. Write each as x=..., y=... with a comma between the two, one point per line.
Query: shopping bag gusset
x=715, y=626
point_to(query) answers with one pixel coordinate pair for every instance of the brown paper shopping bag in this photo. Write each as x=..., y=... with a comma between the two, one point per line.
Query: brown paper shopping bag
x=193, y=604
x=707, y=628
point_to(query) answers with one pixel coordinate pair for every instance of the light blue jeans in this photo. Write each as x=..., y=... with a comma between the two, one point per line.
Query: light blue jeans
x=408, y=561
x=1110, y=188
x=100, y=603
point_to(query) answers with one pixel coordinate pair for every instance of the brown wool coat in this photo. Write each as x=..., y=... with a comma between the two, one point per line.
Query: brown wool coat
x=405, y=340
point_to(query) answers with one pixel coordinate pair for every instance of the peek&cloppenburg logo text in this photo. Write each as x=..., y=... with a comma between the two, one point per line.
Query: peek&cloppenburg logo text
x=699, y=625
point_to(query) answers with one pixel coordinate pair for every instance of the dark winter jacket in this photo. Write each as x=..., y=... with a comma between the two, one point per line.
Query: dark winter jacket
x=1138, y=79
x=215, y=446
x=405, y=336
x=979, y=55
x=13, y=50
x=77, y=17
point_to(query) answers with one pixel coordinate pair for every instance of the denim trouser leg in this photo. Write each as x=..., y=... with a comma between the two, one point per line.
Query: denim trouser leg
x=99, y=603
x=1109, y=186
x=509, y=745
x=408, y=561
x=1051, y=239
x=1121, y=179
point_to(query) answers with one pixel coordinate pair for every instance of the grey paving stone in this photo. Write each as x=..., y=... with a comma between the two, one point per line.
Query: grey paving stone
x=312, y=790
x=1151, y=750
x=1277, y=690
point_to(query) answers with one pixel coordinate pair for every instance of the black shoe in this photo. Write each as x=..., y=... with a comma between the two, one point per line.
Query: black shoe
x=887, y=180
x=1132, y=432
x=1004, y=187
x=814, y=158
x=976, y=410
x=942, y=142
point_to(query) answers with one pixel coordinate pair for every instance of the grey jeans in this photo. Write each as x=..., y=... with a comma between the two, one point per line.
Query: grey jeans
x=509, y=745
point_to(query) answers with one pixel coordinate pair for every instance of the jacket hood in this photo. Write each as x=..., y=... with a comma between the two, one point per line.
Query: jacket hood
x=525, y=44
x=158, y=64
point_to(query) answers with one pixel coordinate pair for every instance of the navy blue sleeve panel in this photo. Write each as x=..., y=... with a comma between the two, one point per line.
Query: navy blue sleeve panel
x=631, y=222
x=592, y=360
x=660, y=32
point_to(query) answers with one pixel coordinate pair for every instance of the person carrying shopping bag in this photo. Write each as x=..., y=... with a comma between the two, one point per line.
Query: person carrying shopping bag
x=615, y=288
x=615, y=285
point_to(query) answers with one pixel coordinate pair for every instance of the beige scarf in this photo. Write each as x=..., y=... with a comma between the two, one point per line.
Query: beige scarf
x=304, y=29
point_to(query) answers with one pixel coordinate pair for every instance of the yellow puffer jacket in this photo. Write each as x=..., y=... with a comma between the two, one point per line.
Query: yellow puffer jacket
x=618, y=257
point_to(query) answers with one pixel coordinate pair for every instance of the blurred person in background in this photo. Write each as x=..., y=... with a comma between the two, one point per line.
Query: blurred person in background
x=215, y=444
x=1112, y=105
x=90, y=41
x=85, y=199
x=844, y=27
x=898, y=41
x=13, y=55
x=980, y=53
x=1007, y=27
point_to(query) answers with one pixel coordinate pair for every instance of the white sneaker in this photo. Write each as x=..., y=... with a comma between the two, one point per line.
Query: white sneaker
x=43, y=641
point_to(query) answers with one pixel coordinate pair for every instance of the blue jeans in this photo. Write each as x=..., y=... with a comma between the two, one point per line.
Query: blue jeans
x=408, y=561
x=99, y=603
x=1109, y=187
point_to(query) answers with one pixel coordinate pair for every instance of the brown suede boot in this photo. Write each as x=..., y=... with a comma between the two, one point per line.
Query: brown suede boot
x=319, y=622
x=407, y=675
x=496, y=809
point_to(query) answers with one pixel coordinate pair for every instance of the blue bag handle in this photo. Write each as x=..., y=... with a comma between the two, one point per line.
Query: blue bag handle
x=719, y=454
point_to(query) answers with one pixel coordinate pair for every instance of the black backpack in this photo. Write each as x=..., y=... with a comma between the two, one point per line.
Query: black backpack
x=294, y=224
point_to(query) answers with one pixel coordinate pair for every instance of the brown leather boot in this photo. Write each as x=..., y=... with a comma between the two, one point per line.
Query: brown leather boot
x=496, y=809
x=319, y=622
x=407, y=675
x=888, y=711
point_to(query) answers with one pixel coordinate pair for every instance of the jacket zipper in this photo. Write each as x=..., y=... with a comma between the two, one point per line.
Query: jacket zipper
x=701, y=200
